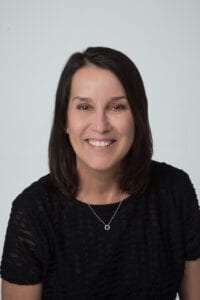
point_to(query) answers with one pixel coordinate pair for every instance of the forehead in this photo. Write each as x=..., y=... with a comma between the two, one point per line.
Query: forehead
x=90, y=79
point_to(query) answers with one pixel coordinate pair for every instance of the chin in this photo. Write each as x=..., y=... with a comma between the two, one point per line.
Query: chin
x=104, y=168
x=101, y=166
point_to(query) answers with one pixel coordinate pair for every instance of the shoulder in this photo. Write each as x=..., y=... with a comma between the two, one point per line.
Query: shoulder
x=40, y=205
x=170, y=180
x=172, y=183
x=165, y=168
x=34, y=194
x=164, y=173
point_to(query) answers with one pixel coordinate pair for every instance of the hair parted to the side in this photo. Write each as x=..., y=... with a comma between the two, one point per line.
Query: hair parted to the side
x=62, y=159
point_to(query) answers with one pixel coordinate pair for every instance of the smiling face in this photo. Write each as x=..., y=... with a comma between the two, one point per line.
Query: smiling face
x=100, y=122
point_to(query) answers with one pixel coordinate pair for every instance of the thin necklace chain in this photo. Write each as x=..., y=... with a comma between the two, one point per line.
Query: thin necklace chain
x=106, y=225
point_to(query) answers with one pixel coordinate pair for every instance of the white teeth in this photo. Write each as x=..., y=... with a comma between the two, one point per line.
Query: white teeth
x=100, y=143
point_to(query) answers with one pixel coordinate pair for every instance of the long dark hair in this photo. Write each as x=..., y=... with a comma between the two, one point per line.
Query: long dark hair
x=62, y=159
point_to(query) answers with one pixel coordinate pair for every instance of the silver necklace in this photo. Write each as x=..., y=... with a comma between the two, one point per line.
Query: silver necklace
x=106, y=225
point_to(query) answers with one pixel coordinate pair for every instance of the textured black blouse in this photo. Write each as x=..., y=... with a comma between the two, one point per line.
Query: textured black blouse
x=60, y=242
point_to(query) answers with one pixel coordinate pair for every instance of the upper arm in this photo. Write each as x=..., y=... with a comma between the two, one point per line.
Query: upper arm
x=190, y=286
x=190, y=218
x=11, y=291
x=23, y=259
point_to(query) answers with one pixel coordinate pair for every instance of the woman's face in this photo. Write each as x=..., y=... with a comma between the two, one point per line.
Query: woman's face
x=100, y=122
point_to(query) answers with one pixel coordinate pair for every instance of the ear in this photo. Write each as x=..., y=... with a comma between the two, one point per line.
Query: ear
x=67, y=130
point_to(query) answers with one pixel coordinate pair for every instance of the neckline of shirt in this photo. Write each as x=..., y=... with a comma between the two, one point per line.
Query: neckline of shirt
x=104, y=205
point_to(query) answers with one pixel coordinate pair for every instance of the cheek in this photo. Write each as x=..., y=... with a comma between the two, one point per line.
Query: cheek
x=75, y=125
x=129, y=127
x=131, y=135
x=72, y=121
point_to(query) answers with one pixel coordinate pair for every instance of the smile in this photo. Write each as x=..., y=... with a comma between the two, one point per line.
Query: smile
x=102, y=143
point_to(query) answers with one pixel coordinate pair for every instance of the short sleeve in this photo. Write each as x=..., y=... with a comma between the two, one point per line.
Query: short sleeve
x=22, y=254
x=190, y=212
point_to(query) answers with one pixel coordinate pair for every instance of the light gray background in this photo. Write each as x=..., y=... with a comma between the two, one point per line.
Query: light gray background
x=36, y=39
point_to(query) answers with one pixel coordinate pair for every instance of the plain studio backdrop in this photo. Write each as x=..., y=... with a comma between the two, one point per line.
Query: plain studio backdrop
x=36, y=39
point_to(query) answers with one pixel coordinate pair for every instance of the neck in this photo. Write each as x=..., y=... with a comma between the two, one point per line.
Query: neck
x=99, y=188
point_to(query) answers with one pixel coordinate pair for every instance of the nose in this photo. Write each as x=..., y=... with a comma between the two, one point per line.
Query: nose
x=101, y=123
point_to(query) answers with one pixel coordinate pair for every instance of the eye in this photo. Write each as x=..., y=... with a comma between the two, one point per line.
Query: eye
x=118, y=107
x=84, y=107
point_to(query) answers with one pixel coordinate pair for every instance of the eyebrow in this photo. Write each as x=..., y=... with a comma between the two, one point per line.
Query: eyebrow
x=115, y=98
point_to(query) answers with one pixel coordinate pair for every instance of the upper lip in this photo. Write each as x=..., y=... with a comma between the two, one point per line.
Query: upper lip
x=100, y=140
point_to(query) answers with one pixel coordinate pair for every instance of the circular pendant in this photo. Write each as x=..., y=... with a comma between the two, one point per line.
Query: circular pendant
x=107, y=227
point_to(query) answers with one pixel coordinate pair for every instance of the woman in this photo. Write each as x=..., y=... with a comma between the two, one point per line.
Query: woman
x=108, y=222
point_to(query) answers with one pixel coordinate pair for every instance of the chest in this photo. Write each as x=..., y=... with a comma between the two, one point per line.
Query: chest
x=141, y=254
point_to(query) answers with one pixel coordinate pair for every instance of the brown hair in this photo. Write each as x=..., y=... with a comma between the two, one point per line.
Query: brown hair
x=62, y=159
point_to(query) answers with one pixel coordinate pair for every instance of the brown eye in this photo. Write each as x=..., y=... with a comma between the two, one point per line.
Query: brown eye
x=118, y=107
x=83, y=107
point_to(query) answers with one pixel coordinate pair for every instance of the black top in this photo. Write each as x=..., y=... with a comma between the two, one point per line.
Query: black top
x=59, y=241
